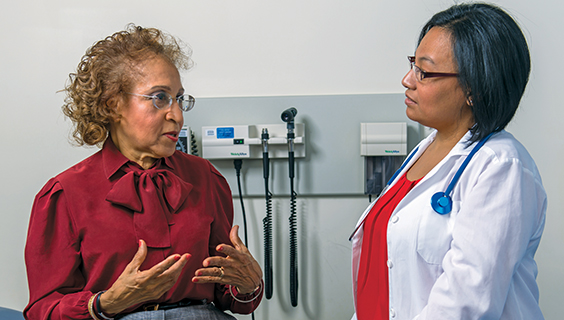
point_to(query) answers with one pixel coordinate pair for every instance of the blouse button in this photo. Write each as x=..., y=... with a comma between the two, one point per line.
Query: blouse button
x=392, y=313
x=395, y=219
x=389, y=263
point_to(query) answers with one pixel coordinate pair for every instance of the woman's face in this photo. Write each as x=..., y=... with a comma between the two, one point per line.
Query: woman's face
x=142, y=132
x=439, y=102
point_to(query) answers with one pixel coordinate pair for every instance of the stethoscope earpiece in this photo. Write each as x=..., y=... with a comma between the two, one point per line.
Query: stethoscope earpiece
x=441, y=203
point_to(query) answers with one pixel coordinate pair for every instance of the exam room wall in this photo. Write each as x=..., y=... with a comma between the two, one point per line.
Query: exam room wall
x=258, y=48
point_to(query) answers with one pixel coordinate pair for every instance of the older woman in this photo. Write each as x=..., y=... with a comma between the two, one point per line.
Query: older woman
x=455, y=233
x=137, y=230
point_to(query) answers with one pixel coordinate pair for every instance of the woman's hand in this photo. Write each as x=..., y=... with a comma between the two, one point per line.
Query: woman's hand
x=238, y=269
x=134, y=286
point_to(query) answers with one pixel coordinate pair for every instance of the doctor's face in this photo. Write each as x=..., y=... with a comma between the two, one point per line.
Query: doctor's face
x=436, y=102
x=142, y=132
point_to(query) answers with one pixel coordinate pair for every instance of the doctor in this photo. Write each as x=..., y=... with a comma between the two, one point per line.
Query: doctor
x=472, y=258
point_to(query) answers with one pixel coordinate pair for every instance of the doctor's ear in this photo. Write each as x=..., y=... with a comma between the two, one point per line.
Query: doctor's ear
x=469, y=101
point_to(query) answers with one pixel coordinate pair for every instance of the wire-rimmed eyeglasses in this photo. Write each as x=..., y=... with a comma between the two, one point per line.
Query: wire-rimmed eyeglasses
x=163, y=100
x=420, y=74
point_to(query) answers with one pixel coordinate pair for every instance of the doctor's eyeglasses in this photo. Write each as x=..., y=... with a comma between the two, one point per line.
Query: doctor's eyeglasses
x=420, y=74
x=163, y=100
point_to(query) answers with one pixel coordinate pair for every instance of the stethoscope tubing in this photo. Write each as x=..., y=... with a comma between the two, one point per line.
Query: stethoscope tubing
x=436, y=202
x=465, y=163
x=441, y=202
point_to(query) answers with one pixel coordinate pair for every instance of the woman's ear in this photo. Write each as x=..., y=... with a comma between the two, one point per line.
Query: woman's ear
x=114, y=106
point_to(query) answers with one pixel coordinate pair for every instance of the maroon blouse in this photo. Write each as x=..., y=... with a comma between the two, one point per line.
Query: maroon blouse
x=86, y=224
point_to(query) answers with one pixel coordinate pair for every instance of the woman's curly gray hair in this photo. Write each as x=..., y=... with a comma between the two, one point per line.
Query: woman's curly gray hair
x=108, y=70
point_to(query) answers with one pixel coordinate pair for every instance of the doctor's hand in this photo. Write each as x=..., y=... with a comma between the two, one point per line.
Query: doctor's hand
x=134, y=286
x=238, y=269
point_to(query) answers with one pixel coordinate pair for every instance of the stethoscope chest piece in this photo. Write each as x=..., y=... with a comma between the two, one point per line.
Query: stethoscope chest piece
x=441, y=203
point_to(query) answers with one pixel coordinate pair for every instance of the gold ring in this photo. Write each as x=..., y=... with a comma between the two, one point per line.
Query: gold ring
x=222, y=273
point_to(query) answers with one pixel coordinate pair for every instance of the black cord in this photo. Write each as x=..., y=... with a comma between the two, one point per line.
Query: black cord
x=288, y=117
x=267, y=220
x=267, y=225
x=238, y=164
x=293, y=249
x=293, y=236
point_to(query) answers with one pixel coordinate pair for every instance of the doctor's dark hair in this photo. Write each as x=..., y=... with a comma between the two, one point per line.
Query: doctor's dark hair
x=110, y=68
x=492, y=58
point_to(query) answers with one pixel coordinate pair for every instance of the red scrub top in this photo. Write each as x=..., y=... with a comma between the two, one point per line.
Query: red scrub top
x=372, y=292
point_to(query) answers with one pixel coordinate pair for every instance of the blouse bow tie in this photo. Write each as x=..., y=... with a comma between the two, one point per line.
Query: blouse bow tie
x=153, y=195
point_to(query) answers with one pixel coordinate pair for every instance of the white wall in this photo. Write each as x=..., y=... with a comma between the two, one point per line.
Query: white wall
x=257, y=48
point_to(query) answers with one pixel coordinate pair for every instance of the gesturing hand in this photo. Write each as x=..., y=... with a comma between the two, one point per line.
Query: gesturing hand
x=238, y=269
x=134, y=286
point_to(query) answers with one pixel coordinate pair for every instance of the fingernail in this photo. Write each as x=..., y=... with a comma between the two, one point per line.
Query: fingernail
x=199, y=273
x=219, y=248
x=140, y=243
x=177, y=257
x=194, y=280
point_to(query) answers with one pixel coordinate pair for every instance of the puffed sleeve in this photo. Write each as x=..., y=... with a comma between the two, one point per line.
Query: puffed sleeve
x=53, y=262
x=221, y=196
x=495, y=236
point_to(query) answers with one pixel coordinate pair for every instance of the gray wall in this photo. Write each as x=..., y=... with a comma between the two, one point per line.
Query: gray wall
x=258, y=49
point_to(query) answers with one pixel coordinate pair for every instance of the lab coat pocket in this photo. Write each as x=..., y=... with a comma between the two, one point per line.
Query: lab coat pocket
x=434, y=234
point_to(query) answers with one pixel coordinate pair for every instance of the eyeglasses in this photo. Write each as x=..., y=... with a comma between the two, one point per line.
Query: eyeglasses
x=420, y=74
x=163, y=100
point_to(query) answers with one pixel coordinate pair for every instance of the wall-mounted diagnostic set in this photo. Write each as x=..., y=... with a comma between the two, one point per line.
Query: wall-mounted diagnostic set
x=245, y=141
x=269, y=141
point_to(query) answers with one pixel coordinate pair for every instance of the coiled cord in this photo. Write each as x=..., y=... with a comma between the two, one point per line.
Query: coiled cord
x=193, y=144
x=288, y=117
x=293, y=220
x=293, y=251
x=267, y=225
x=267, y=221
x=293, y=235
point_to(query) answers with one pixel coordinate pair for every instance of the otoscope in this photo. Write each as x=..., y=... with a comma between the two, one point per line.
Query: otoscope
x=288, y=117
x=267, y=221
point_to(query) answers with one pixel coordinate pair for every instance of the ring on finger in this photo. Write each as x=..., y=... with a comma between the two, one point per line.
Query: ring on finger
x=222, y=272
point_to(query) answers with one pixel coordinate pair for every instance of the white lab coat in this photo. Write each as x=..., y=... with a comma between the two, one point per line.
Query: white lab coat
x=476, y=262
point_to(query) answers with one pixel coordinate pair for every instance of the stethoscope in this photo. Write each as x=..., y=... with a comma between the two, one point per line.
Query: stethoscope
x=441, y=202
